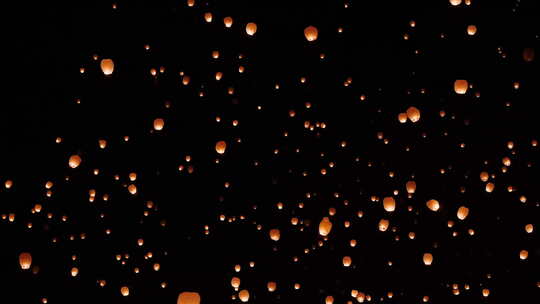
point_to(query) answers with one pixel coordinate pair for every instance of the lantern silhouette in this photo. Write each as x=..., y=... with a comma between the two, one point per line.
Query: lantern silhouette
x=107, y=66
x=311, y=33
x=25, y=260
x=325, y=226
x=251, y=28
x=189, y=298
x=461, y=86
x=74, y=161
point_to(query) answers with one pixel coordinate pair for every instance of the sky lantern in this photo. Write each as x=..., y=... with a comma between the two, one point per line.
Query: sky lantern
x=411, y=187
x=124, y=291
x=528, y=54
x=383, y=225
x=455, y=2
x=271, y=286
x=228, y=21
x=329, y=300
x=74, y=161
x=311, y=33
x=461, y=86
x=347, y=261
x=74, y=271
x=433, y=205
x=189, y=298
x=484, y=176
x=529, y=228
x=389, y=204
x=208, y=17
x=427, y=258
x=490, y=187
x=158, y=124
x=413, y=114
x=235, y=282
x=325, y=226
x=523, y=254
x=107, y=66
x=275, y=234
x=471, y=30
x=462, y=212
x=25, y=260
x=485, y=292
x=221, y=146
x=402, y=117
x=243, y=295
x=251, y=28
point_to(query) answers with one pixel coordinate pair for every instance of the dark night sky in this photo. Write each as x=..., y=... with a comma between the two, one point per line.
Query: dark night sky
x=343, y=120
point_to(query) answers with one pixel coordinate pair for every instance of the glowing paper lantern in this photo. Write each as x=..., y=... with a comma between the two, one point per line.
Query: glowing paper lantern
x=221, y=146
x=347, y=261
x=124, y=291
x=383, y=225
x=159, y=123
x=411, y=187
x=461, y=86
x=275, y=234
x=311, y=33
x=25, y=260
x=271, y=286
x=471, y=30
x=389, y=204
x=413, y=114
x=523, y=254
x=228, y=21
x=251, y=28
x=107, y=66
x=235, y=282
x=462, y=212
x=189, y=298
x=329, y=300
x=402, y=117
x=433, y=205
x=427, y=258
x=243, y=295
x=325, y=226
x=74, y=161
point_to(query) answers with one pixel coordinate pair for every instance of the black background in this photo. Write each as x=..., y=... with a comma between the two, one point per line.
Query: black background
x=48, y=43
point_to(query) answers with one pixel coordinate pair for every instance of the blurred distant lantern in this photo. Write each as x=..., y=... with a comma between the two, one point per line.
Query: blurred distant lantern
x=471, y=30
x=74, y=271
x=528, y=54
x=402, y=117
x=25, y=260
x=243, y=295
x=485, y=292
x=523, y=254
x=158, y=124
x=208, y=17
x=124, y=291
x=411, y=187
x=455, y=2
x=251, y=28
x=311, y=33
x=271, y=286
x=325, y=226
x=228, y=21
x=529, y=228
x=329, y=300
x=275, y=234
x=102, y=143
x=189, y=298
x=74, y=161
x=347, y=261
x=484, y=176
x=462, y=212
x=490, y=187
x=107, y=66
x=383, y=225
x=433, y=205
x=389, y=204
x=221, y=146
x=190, y=3
x=506, y=161
x=132, y=189
x=460, y=86
x=413, y=114
x=235, y=282
x=428, y=259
